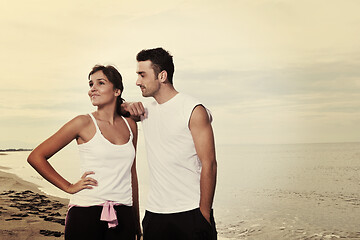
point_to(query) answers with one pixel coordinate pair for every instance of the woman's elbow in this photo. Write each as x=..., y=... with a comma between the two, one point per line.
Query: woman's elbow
x=32, y=158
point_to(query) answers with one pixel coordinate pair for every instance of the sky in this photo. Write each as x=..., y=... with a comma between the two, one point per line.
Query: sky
x=271, y=72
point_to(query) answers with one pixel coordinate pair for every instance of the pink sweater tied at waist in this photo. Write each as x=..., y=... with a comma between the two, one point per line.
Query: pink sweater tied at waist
x=108, y=213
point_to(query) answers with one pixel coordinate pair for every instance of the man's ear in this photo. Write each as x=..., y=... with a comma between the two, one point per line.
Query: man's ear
x=163, y=76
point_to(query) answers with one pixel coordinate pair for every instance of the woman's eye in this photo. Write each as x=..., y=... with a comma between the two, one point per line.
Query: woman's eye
x=91, y=84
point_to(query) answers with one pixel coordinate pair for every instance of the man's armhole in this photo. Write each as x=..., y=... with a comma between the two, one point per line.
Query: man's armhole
x=207, y=111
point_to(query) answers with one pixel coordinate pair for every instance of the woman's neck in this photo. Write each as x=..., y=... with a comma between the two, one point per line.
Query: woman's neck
x=107, y=114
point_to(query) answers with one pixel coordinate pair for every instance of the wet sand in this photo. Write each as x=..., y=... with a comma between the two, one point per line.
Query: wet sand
x=278, y=214
x=302, y=191
x=28, y=213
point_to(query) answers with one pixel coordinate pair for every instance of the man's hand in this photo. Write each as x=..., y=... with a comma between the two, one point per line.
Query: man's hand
x=206, y=214
x=136, y=109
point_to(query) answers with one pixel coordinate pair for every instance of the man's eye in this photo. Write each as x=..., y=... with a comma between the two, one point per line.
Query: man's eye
x=91, y=84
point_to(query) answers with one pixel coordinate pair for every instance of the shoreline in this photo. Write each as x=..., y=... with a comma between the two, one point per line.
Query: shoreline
x=27, y=213
x=281, y=192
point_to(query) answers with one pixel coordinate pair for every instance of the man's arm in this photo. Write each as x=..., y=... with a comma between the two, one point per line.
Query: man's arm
x=203, y=137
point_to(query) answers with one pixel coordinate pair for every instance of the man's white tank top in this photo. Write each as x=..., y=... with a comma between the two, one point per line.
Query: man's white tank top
x=174, y=165
x=112, y=166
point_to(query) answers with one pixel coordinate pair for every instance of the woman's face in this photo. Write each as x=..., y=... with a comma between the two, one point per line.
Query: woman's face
x=102, y=90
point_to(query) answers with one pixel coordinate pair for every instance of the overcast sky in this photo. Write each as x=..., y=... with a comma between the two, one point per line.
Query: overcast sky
x=270, y=71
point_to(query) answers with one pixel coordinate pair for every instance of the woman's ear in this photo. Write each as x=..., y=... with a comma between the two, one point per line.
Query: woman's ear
x=117, y=92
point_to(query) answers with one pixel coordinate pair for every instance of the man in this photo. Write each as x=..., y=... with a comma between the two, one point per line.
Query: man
x=180, y=151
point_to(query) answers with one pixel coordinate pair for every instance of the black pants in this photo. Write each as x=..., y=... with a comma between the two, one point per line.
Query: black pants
x=85, y=223
x=189, y=225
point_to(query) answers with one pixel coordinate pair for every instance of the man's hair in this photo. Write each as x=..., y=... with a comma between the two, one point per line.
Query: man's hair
x=160, y=59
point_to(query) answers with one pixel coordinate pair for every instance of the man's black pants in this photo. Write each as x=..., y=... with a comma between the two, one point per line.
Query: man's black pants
x=189, y=225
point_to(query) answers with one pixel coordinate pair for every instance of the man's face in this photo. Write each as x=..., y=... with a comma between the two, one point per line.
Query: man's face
x=147, y=80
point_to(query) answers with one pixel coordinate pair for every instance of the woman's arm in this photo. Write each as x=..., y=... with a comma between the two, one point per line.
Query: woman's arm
x=38, y=158
x=134, y=181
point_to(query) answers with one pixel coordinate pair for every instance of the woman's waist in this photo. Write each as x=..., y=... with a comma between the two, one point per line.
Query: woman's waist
x=86, y=199
x=107, y=175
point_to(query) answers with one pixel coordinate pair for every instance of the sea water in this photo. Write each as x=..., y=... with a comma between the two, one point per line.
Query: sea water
x=251, y=178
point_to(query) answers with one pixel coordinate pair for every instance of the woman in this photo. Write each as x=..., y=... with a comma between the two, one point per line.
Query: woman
x=104, y=202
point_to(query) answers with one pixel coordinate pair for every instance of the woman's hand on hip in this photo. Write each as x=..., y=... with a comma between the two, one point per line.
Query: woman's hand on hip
x=84, y=183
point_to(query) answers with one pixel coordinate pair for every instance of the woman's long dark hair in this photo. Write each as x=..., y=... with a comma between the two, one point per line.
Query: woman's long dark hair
x=115, y=78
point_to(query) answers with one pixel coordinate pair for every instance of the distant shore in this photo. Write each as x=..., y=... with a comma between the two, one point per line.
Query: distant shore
x=16, y=150
x=27, y=213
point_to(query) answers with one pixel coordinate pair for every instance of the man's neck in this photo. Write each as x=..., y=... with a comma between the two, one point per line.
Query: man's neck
x=165, y=95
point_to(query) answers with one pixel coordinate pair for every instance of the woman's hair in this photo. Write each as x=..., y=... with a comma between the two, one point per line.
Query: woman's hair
x=115, y=78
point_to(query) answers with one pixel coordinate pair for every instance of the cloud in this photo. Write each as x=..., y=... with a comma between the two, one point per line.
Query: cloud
x=317, y=101
x=270, y=71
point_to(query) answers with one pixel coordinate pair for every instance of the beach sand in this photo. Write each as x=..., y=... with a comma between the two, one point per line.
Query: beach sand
x=27, y=213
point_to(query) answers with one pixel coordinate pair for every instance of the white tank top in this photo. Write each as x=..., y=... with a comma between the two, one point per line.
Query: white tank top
x=112, y=166
x=173, y=162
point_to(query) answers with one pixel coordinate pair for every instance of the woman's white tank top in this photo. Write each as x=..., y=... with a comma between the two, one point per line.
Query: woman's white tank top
x=112, y=166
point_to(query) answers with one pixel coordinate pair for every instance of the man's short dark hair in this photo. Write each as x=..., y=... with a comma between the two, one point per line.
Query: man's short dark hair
x=161, y=60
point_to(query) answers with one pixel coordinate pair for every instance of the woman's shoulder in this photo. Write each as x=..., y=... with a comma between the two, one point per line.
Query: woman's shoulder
x=81, y=120
x=132, y=123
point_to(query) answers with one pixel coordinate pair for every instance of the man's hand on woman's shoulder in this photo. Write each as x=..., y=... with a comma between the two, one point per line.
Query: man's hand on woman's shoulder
x=135, y=109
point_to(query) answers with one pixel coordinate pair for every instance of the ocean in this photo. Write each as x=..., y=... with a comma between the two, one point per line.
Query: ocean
x=291, y=190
